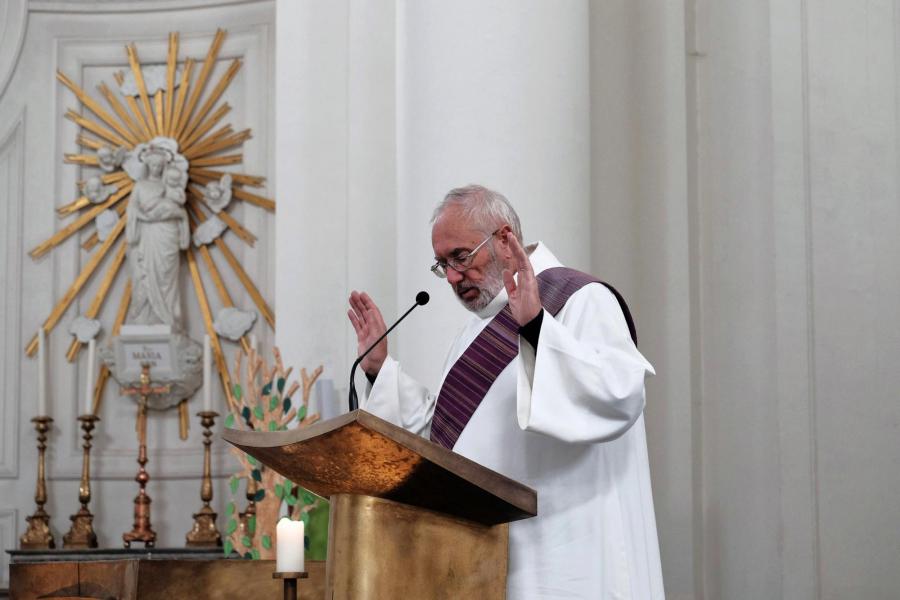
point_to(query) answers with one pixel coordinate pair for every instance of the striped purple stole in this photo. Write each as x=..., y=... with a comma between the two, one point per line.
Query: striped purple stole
x=473, y=374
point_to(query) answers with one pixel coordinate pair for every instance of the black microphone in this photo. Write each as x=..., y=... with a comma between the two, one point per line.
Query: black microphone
x=421, y=299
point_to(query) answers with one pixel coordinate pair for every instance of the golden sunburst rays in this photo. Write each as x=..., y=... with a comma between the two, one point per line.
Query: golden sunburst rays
x=189, y=110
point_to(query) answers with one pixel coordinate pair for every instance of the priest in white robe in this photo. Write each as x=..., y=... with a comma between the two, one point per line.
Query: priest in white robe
x=563, y=417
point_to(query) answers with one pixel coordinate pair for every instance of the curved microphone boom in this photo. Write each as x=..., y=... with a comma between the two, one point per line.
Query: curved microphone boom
x=421, y=300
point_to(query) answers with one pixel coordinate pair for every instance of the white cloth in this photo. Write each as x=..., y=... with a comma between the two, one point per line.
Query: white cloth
x=567, y=421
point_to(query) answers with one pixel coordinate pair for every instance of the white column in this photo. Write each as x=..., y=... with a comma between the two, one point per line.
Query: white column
x=311, y=178
x=335, y=175
x=640, y=242
x=493, y=93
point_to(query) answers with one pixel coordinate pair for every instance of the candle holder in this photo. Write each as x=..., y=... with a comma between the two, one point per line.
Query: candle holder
x=81, y=534
x=204, y=533
x=290, y=582
x=142, y=531
x=250, y=511
x=38, y=534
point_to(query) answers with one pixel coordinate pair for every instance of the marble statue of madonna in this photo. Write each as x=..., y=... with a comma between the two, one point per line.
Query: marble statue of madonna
x=156, y=231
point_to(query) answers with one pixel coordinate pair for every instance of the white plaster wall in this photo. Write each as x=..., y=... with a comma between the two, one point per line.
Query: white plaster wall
x=793, y=172
x=86, y=40
x=731, y=167
x=392, y=124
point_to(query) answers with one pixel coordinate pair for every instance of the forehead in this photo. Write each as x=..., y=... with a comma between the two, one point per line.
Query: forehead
x=453, y=232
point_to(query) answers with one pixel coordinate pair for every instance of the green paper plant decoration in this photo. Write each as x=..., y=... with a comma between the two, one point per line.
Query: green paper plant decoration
x=263, y=404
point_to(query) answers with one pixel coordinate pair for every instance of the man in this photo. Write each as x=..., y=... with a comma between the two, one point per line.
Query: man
x=564, y=416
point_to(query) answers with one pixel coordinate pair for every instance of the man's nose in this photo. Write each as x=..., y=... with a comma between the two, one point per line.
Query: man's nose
x=454, y=276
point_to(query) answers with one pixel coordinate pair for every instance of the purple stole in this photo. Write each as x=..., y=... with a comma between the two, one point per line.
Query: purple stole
x=473, y=374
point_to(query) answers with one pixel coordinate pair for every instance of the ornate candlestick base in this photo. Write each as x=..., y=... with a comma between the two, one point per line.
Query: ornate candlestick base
x=290, y=582
x=38, y=534
x=204, y=532
x=81, y=534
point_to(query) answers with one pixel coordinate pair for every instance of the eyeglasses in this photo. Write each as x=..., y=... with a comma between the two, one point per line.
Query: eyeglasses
x=461, y=262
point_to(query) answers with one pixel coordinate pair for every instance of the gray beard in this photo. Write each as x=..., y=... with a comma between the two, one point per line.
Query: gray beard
x=487, y=289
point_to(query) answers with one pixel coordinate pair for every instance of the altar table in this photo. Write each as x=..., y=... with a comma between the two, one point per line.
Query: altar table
x=157, y=573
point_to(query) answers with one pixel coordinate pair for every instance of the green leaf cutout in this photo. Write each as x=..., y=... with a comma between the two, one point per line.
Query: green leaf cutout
x=245, y=540
x=279, y=491
x=266, y=542
x=260, y=494
x=233, y=484
x=291, y=500
x=286, y=406
x=229, y=510
x=267, y=389
x=258, y=412
x=255, y=474
x=229, y=547
x=236, y=391
x=307, y=497
x=229, y=421
x=301, y=413
x=273, y=403
x=254, y=554
x=281, y=384
x=251, y=460
x=273, y=425
x=251, y=525
x=288, y=486
x=231, y=527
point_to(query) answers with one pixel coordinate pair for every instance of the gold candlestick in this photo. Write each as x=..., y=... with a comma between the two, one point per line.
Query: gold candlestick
x=38, y=533
x=81, y=534
x=250, y=512
x=142, y=530
x=204, y=533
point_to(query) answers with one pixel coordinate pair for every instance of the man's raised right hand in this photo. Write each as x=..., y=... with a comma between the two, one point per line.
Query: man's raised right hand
x=369, y=325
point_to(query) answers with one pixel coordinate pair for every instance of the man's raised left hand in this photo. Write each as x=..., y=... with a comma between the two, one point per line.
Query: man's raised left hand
x=524, y=298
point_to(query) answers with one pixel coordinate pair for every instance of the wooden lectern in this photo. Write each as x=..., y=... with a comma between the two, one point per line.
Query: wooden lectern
x=409, y=518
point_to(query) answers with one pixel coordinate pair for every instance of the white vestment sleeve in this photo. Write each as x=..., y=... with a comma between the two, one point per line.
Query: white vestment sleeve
x=585, y=381
x=399, y=399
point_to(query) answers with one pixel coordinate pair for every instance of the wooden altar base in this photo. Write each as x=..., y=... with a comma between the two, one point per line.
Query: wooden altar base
x=158, y=574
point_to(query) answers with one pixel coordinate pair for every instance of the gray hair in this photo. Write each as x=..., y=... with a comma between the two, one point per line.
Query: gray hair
x=486, y=208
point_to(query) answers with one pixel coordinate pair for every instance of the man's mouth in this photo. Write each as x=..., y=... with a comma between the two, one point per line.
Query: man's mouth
x=467, y=292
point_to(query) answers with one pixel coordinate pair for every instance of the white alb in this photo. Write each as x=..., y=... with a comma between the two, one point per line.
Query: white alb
x=566, y=420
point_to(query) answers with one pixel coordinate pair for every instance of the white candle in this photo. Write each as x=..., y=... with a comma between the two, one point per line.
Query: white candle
x=42, y=373
x=207, y=375
x=89, y=388
x=289, y=546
